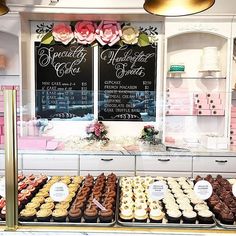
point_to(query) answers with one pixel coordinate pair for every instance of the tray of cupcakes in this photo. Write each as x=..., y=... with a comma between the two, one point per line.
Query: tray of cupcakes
x=91, y=202
x=222, y=201
x=179, y=206
x=28, y=186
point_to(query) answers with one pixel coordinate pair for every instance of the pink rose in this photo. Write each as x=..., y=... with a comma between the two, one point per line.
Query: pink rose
x=62, y=33
x=108, y=32
x=85, y=32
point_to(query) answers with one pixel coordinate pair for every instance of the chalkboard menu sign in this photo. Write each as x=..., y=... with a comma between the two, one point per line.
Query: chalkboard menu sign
x=127, y=83
x=64, y=81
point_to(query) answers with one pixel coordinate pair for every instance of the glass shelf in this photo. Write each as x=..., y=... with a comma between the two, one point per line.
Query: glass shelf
x=192, y=78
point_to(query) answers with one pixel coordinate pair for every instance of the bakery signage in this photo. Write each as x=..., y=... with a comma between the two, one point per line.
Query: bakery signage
x=59, y=192
x=64, y=81
x=157, y=190
x=127, y=86
x=203, y=189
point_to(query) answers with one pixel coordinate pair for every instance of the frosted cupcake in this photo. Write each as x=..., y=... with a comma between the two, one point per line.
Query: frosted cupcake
x=44, y=215
x=173, y=216
x=140, y=215
x=126, y=214
x=156, y=215
x=205, y=217
x=189, y=216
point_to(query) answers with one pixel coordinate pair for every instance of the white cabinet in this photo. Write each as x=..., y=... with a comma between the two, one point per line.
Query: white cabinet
x=2, y=163
x=51, y=164
x=121, y=165
x=164, y=165
x=210, y=164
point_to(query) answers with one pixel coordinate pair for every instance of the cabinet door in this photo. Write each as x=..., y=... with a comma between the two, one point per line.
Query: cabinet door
x=214, y=164
x=107, y=162
x=2, y=163
x=164, y=163
x=164, y=174
x=50, y=162
x=96, y=173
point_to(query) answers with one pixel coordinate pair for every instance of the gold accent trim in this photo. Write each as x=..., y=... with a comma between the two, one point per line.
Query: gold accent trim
x=11, y=160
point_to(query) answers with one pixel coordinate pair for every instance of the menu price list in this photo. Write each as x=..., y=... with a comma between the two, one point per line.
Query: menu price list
x=127, y=83
x=64, y=81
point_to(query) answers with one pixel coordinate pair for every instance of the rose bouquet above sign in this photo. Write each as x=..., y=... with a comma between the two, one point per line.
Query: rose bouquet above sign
x=90, y=33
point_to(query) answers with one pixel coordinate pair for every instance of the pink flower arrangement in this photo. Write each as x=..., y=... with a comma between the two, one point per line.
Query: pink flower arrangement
x=108, y=32
x=85, y=32
x=96, y=131
x=62, y=33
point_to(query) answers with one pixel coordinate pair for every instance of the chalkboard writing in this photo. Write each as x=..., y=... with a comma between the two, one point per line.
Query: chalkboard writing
x=127, y=83
x=64, y=81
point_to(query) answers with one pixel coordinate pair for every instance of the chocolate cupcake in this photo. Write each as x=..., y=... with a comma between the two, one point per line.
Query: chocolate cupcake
x=205, y=217
x=44, y=215
x=75, y=214
x=28, y=214
x=189, y=217
x=106, y=216
x=90, y=215
x=156, y=215
x=173, y=216
x=59, y=215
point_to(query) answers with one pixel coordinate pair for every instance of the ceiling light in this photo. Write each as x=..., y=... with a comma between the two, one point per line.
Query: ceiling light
x=177, y=7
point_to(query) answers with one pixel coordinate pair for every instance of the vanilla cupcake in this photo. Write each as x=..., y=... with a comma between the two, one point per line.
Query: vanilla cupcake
x=156, y=215
x=48, y=205
x=185, y=206
x=201, y=207
x=140, y=214
x=59, y=215
x=34, y=205
x=126, y=214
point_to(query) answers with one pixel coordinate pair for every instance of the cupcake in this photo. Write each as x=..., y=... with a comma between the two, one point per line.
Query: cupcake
x=173, y=216
x=140, y=215
x=189, y=216
x=44, y=215
x=75, y=214
x=90, y=215
x=59, y=215
x=48, y=205
x=106, y=216
x=205, y=217
x=28, y=214
x=34, y=205
x=126, y=214
x=156, y=215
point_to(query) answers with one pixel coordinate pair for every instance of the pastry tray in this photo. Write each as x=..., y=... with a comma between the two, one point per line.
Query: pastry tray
x=68, y=223
x=164, y=224
x=226, y=226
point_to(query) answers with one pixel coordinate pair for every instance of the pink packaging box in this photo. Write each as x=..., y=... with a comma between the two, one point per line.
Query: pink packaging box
x=233, y=138
x=33, y=143
x=233, y=109
x=1, y=106
x=202, y=106
x=2, y=139
x=180, y=101
x=233, y=143
x=216, y=106
x=218, y=112
x=7, y=87
x=233, y=125
x=233, y=114
x=178, y=107
x=180, y=90
x=204, y=112
x=233, y=120
x=178, y=95
x=233, y=131
x=1, y=120
x=214, y=96
x=214, y=101
x=178, y=112
x=200, y=101
x=199, y=95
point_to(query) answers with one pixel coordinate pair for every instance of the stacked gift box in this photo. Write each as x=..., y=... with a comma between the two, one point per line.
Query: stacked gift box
x=233, y=126
x=208, y=104
x=2, y=87
x=178, y=102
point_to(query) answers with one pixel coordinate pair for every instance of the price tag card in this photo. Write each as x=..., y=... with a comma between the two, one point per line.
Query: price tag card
x=2, y=191
x=203, y=189
x=59, y=192
x=157, y=190
x=234, y=189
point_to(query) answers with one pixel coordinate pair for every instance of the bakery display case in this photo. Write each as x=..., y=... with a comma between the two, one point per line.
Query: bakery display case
x=129, y=181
